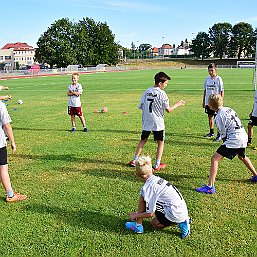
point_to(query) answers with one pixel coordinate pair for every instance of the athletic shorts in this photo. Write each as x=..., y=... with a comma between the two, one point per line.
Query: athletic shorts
x=3, y=156
x=157, y=135
x=75, y=111
x=163, y=220
x=209, y=111
x=230, y=153
x=253, y=121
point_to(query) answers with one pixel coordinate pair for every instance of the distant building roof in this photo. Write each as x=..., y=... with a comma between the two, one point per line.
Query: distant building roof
x=155, y=50
x=18, y=46
x=167, y=46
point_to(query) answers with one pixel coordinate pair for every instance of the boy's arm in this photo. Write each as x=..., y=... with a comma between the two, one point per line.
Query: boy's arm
x=2, y=97
x=136, y=215
x=8, y=131
x=176, y=105
x=70, y=93
x=204, y=94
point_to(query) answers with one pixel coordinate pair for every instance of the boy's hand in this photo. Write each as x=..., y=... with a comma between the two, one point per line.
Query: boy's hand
x=133, y=215
x=13, y=145
x=181, y=102
x=250, y=114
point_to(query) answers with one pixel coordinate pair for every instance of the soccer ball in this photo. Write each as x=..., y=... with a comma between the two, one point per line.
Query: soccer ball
x=20, y=101
x=104, y=110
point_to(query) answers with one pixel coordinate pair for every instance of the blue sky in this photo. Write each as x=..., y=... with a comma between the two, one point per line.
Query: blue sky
x=147, y=21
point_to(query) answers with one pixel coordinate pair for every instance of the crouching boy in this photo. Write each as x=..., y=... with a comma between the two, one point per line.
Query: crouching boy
x=158, y=199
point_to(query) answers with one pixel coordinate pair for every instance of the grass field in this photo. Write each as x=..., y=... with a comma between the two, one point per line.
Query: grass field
x=81, y=189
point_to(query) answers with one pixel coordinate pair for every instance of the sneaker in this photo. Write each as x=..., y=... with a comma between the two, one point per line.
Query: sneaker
x=254, y=178
x=73, y=130
x=131, y=225
x=161, y=166
x=16, y=197
x=85, y=130
x=184, y=228
x=217, y=138
x=206, y=189
x=132, y=163
x=209, y=135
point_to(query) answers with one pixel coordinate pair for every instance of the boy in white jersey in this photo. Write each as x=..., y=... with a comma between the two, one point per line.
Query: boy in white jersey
x=213, y=84
x=158, y=199
x=74, y=104
x=234, y=141
x=252, y=121
x=153, y=103
x=6, y=129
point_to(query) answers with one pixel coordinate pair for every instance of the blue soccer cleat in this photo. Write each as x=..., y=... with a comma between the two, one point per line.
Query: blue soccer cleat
x=206, y=189
x=132, y=225
x=254, y=178
x=184, y=228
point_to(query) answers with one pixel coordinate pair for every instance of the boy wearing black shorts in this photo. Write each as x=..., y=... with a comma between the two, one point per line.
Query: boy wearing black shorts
x=234, y=141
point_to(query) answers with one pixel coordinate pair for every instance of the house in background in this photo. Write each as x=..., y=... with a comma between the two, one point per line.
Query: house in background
x=20, y=53
x=166, y=49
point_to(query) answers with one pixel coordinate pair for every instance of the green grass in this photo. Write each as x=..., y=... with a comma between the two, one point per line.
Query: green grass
x=79, y=185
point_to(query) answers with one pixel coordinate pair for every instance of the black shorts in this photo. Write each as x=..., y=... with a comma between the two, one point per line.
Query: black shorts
x=157, y=135
x=209, y=111
x=3, y=156
x=230, y=153
x=163, y=220
x=253, y=121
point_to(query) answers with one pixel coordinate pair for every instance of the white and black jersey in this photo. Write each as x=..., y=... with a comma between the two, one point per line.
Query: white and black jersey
x=74, y=101
x=4, y=119
x=162, y=196
x=153, y=103
x=231, y=128
x=254, y=111
x=212, y=86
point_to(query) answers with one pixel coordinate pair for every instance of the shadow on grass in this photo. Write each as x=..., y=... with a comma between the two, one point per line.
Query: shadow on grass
x=81, y=130
x=82, y=218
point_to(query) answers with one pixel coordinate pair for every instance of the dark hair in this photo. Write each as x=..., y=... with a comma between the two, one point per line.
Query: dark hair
x=212, y=65
x=161, y=77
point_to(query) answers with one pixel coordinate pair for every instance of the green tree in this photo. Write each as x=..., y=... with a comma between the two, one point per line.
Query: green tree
x=220, y=34
x=242, y=40
x=55, y=45
x=201, y=45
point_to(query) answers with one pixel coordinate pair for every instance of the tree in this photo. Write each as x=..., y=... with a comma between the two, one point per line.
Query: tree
x=201, y=45
x=220, y=34
x=242, y=40
x=85, y=42
x=55, y=45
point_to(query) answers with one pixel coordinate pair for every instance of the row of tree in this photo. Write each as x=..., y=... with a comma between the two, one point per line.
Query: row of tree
x=86, y=42
x=225, y=40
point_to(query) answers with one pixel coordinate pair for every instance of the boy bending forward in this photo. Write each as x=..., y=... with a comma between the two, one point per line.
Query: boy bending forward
x=158, y=198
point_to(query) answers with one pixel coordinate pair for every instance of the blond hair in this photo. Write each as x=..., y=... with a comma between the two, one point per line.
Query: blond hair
x=143, y=166
x=216, y=101
x=75, y=74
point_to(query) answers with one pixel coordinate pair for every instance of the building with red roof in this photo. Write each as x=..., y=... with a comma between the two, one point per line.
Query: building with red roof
x=13, y=53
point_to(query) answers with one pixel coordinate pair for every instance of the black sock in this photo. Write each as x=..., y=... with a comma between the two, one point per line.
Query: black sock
x=249, y=140
x=212, y=131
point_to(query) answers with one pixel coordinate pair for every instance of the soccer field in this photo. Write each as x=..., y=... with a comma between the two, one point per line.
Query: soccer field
x=81, y=189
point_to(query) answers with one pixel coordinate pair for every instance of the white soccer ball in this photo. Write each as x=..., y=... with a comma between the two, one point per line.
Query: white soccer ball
x=20, y=101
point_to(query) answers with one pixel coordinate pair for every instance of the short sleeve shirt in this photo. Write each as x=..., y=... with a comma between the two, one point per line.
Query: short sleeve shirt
x=230, y=126
x=153, y=103
x=212, y=86
x=254, y=112
x=74, y=101
x=4, y=119
x=162, y=196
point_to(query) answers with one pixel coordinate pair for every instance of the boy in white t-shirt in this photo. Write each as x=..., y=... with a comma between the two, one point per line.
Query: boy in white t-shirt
x=74, y=104
x=252, y=122
x=6, y=129
x=234, y=141
x=213, y=84
x=153, y=103
x=158, y=199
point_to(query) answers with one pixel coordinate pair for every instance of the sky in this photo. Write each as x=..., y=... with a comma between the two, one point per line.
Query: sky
x=153, y=22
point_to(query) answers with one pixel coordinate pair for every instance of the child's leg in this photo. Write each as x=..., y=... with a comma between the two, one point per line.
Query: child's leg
x=250, y=133
x=4, y=175
x=211, y=123
x=159, y=152
x=214, y=168
x=140, y=147
x=141, y=208
x=73, y=122
x=82, y=119
x=247, y=162
x=156, y=223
